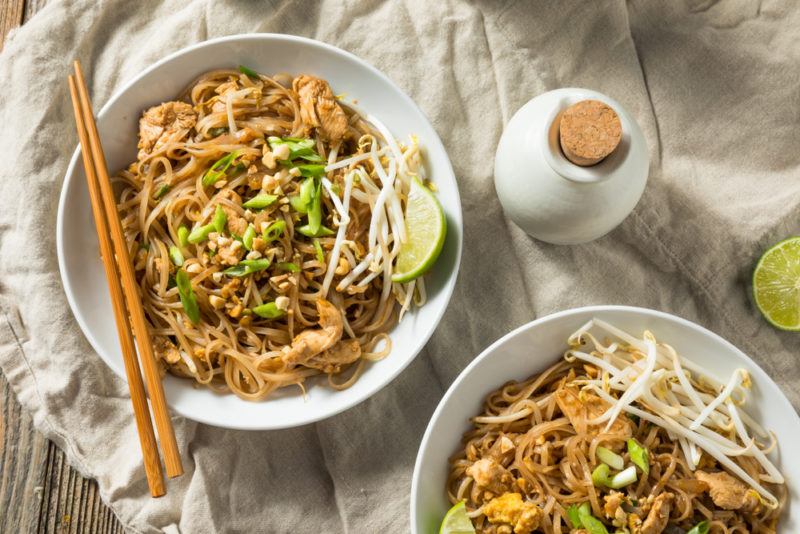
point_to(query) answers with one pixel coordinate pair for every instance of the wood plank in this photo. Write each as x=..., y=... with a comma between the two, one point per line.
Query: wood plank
x=39, y=491
x=11, y=12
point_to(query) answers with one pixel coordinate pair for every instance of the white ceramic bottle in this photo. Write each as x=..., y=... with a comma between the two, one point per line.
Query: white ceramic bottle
x=549, y=196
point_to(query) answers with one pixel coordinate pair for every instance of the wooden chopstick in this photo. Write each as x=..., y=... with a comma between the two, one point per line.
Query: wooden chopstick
x=147, y=439
x=169, y=446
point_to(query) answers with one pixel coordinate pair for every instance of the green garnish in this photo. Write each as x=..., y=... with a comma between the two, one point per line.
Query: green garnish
x=269, y=310
x=639, y=455
x=609, y=457
x=161, y=191
x=623, y=478
x=311, y=170
x=298, y=148
x=219, y=168
x=700, y=528
x=249, y=235
x=245, y=267
x=322, y=232
x=200, y=233
x=176, y=256
x=259, y=202
x=274, y=231
x=248, y=72
x=318, y=249
x=186, y=294
x=288, y=266
x=183, y=235
x=601, y=476
x=220, y=219
x=297, y=204
x=593, y=525
x=574, y=515
x=216, y=132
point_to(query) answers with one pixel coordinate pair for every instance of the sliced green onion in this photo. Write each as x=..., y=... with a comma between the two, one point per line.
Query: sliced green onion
x=593, y=525
x=200, y=233
x=183, y=235
x=249, y=235
x=274, y=231
x=186, y=294
x=322, y=232
x=639, y=455
x=176, y=256
x=161, y=191
x=623, y=478
x=574, y=516
x=219, y=168
x=318, y=249
x=259, y=202
x=220, y=219
x=609, y=457
x=297, y=204
x=288, y=266
x=601, y=475
x=311, y=170
x=269, y=310
x=315, y=210
x=298, y=148
x=700, y=528
x=245, y=267
x=216, y=132
x=248, y=72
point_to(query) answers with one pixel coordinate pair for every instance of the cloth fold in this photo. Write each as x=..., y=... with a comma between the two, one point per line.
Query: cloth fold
x=713, y=85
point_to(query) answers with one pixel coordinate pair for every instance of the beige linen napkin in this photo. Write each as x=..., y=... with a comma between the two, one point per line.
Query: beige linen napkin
x=713, y=84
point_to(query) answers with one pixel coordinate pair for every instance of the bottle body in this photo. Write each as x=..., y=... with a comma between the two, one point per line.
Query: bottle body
x=553, y=199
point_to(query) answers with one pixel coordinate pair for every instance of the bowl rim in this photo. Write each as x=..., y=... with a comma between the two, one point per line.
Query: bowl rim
x=761, y=377
x=454, y=219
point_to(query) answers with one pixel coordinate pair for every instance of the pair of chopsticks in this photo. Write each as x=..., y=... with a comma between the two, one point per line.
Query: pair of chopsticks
x=122, y=284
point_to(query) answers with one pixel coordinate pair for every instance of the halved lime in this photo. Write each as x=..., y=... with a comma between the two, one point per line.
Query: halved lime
x=426, y=228
x=776, y=284
x=456, y=521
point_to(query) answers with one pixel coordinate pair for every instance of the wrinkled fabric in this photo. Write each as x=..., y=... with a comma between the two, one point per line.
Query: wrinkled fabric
x=714, y=86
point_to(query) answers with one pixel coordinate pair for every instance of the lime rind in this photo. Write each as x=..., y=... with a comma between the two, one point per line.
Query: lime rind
x=427, y=227
x=776, y=284
x=456, y=521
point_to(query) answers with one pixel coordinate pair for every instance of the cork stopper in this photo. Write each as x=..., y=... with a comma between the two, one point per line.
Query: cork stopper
x=589, y=131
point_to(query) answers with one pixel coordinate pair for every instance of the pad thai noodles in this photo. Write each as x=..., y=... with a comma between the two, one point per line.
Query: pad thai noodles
x=621, y=436
x=264, y=216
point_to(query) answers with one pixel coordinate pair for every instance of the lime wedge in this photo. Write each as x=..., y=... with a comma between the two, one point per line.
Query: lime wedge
x=426, y=228
x=456, y=521
x=776, y=284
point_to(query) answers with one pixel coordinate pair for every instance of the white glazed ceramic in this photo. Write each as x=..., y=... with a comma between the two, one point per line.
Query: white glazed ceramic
x=553, y=199
x=79, y=258
x=533, y=347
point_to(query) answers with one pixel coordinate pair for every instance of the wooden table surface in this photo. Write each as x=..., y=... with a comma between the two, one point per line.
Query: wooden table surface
x=39, y=492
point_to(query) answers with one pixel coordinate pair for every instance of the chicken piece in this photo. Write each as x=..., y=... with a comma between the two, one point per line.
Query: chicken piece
x=490, y=475
x=311, y=342
x=163, y=123
x=729, y=493
x=657, y=518
x=510, y=509
x=319, y=109
x=166, y=350
x=333, y=359
x=581, y=406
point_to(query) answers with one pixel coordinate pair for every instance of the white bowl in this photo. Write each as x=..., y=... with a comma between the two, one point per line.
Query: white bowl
x=533, y=347
x=78, y=250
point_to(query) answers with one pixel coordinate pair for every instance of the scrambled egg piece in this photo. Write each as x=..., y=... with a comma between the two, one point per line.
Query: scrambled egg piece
x=509, y=509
